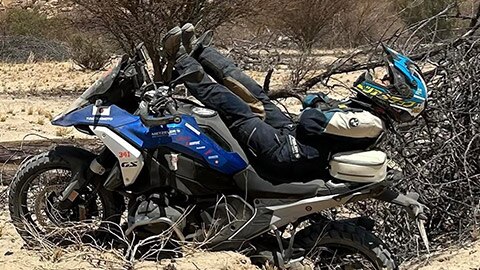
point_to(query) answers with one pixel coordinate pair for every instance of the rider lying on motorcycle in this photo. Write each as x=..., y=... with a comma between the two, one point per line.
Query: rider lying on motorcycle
x=277, y=147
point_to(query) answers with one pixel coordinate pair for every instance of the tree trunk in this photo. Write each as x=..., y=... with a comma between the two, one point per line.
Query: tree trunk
x=157, y=64
x=157, y=68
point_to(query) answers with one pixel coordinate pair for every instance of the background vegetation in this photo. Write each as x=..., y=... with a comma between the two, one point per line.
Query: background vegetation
x=439, y=151
x=94, y=29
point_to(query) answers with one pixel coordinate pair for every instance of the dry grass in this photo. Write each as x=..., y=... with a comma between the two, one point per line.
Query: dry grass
x=38, y=78
x=45, y=113
x=40, y=121
x=63, y=132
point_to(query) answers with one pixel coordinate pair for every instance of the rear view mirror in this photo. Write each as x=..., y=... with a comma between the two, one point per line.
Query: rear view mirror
x=142, y=56
x=142, y=52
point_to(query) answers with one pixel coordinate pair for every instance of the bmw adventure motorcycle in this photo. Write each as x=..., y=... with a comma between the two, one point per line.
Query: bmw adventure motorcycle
x=173, y=165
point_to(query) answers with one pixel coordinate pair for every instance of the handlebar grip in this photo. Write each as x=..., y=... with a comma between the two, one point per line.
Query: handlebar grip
x=157, y=121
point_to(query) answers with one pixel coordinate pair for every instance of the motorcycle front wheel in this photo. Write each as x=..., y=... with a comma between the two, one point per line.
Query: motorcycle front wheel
x=34, y=197
x=343, y=245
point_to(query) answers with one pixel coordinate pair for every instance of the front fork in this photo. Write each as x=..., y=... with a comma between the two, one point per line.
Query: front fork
x=82, y=178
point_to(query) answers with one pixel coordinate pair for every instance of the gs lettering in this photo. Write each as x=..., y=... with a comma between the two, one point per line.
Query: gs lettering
x=129, y=164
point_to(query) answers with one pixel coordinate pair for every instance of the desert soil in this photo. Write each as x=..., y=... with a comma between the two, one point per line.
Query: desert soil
x=14, y=256
x=31, y=94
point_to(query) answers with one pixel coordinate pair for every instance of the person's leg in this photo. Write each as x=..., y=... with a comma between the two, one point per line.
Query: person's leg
x=272, y=150
x=227, y=73
x=232, y=109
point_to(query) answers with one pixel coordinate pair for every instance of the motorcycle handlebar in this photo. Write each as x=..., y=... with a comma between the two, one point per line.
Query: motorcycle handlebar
x=149, y=120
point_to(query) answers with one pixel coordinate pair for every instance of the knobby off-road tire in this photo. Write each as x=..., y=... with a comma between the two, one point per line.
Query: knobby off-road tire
x=22, y=181
x=344, y=236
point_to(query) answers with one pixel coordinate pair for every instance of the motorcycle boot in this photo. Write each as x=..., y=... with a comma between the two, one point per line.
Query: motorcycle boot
x=188, y=36
x=202, y=42
x=193, y=45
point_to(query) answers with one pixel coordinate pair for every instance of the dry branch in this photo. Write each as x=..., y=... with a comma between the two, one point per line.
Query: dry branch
x=349, y=63
x=439, y=154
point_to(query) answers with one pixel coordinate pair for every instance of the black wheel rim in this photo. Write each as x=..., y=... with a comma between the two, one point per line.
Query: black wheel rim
x=39, y=211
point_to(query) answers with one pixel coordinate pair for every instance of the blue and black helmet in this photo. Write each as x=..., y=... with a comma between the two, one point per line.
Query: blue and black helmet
x=405, y=95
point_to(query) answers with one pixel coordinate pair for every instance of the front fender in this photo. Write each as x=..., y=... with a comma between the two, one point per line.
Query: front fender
x=77, y=157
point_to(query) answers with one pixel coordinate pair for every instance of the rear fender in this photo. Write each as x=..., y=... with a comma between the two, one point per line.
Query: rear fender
x=365, y=222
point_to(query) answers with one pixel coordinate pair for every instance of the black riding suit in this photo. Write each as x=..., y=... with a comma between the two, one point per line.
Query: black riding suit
x=267, y=135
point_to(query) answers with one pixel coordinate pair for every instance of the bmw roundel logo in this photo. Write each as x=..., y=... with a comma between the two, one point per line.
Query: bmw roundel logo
x=354, y=122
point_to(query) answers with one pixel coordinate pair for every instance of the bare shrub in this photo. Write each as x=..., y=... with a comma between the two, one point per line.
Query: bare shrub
x=303, y=21
x=130, y=22
x=89, y=52
x=439, y=156
x=366, y=23
x=414, y=11
x=301, y=68
x=21, y=48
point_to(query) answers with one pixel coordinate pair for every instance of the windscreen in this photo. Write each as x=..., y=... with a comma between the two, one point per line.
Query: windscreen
x=100, y=87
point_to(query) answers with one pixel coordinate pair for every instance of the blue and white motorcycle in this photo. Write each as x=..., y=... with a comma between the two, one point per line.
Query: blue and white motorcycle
x=173, y=165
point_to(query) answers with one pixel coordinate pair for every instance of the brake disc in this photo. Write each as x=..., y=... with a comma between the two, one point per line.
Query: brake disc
x=45, y=209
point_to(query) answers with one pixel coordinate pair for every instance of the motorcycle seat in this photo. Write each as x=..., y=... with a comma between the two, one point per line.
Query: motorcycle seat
x=256, y=187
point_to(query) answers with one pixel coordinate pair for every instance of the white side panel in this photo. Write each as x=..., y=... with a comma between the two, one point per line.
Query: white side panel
x=129, y=157
x=286, y=213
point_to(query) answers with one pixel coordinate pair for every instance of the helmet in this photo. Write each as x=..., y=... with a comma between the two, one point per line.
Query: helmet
x=402, y=94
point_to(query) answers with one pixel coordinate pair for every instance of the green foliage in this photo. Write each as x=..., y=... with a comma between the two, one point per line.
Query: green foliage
x=23, y=22
x=414, y=11
x=87, y=49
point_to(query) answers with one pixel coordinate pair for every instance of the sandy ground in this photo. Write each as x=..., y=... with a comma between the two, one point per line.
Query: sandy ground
x=31, y=94
x=456, y=258
x=43, y=78
x=22, y=116
x=14, y=256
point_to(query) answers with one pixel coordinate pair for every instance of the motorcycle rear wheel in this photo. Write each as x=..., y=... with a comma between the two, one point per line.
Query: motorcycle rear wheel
x=33, y=196
x=343, y=245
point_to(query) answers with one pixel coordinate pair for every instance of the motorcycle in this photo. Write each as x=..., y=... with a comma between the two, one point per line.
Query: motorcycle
x=173, y=165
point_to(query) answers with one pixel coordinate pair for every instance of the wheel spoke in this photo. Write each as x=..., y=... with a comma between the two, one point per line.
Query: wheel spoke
x=41, y=198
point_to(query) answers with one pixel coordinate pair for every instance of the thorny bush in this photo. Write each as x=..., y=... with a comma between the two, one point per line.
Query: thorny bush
x=440, y=157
